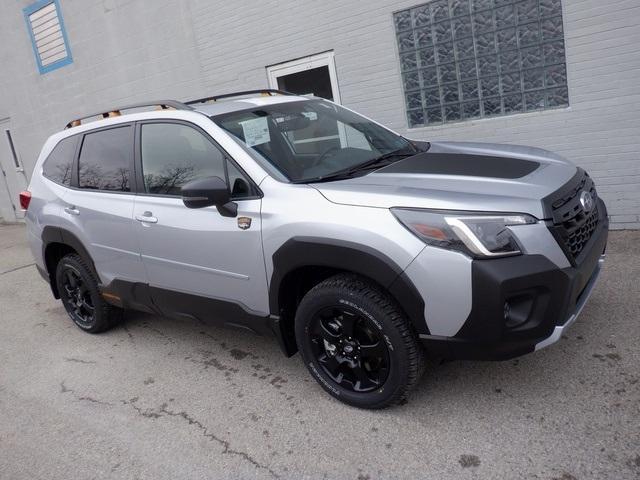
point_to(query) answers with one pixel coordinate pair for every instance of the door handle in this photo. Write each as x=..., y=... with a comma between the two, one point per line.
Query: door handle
x=146, y=217
x=71, y=210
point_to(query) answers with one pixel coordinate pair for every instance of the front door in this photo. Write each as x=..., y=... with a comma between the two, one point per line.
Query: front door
x=196, y=251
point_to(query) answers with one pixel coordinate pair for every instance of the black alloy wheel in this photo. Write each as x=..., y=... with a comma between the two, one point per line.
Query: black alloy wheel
x=350, y=350
x=78, y=288
x=357, y=343
x=76, y=297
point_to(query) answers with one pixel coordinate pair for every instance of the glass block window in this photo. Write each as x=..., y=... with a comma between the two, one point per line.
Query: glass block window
x=464, y=59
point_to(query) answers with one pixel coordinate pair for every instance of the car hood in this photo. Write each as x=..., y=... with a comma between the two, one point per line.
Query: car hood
x=460, y=176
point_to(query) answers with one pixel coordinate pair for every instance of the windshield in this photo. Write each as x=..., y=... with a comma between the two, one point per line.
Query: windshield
x=310, y=140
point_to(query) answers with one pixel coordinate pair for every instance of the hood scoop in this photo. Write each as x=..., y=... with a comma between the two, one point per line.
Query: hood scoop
x=463, y=164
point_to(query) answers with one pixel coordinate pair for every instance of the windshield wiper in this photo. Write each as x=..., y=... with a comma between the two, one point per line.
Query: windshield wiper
x=373, y=164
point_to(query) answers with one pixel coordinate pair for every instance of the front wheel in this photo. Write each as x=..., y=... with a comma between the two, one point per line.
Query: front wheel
x=357, y=343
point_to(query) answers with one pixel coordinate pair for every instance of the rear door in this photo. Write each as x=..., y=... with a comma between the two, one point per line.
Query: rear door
x=196, y=251
x=98, y=208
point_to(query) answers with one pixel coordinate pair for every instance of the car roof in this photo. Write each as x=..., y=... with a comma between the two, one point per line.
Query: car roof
x=209, y=106
x=228, y=106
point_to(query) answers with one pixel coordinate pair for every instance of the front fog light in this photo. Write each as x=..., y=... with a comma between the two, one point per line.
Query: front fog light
x=518, y=310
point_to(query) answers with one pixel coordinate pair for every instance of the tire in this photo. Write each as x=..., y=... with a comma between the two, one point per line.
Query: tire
x=81, y=297
x=347, y=313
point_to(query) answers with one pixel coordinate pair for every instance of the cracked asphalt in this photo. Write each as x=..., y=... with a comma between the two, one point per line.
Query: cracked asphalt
x=165, y=399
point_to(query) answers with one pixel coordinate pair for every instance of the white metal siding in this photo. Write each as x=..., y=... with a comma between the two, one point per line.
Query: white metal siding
x=124, y=51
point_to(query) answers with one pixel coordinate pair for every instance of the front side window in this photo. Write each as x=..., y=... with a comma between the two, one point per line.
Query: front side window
x=174, y=154
x=105, y=160
x=311, y=140
x=464, y=59
x=59, y=164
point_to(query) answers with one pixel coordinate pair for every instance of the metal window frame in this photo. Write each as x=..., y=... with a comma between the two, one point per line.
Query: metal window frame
x=27, y=12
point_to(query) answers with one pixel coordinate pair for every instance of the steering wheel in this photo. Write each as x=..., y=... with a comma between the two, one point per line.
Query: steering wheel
x=324, y=154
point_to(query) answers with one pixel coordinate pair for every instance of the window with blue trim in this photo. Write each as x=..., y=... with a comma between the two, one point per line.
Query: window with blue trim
x=48, y=36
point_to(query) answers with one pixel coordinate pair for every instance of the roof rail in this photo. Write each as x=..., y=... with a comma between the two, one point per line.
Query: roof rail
x=265, y=92
x=116, y=112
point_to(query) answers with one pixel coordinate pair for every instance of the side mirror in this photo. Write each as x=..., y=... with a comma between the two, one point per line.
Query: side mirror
x=208, y=191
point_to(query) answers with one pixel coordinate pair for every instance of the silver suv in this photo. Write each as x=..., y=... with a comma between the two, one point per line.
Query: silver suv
x=297, y=218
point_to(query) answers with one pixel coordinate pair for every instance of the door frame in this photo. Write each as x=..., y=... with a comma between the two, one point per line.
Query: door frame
x=324, y=59
x=10, y=183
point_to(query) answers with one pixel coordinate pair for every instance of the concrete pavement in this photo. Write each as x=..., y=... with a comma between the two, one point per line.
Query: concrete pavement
x=165, y=399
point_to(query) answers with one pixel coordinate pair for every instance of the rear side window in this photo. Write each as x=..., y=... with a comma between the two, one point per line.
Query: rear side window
x=105, y=160
x=174, y=154
x=58, y=165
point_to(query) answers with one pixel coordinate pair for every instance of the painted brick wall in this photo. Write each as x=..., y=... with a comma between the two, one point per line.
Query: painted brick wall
x=124, y=51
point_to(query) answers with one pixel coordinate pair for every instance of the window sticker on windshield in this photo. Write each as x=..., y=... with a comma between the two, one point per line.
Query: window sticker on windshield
x=311, y=115
x=255, y=131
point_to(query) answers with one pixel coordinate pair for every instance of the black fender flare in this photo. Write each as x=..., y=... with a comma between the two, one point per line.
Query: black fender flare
x=299, y=252
x=65, y=237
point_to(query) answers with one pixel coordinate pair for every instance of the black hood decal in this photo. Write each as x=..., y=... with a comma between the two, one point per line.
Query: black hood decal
x=463, y=164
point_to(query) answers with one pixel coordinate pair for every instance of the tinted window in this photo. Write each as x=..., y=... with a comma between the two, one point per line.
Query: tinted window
x=105, y=160
x=58, y=165
x=174, y=154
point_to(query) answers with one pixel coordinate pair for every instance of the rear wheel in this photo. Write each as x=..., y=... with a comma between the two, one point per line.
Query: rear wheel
x=81, y=297
x=357, y=343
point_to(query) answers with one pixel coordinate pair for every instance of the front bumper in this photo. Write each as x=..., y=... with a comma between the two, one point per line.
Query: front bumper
x=543, y=299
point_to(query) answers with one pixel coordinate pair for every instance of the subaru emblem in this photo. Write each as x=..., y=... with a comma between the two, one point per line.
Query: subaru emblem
x=587, y=202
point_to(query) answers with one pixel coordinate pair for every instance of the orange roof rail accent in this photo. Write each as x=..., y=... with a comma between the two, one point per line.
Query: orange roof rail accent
x=116, y=112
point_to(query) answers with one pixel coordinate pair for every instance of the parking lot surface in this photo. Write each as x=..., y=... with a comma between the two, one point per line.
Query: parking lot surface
x=165, y=399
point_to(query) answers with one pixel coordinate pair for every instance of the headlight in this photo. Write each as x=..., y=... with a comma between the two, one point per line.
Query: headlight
x=478, y=235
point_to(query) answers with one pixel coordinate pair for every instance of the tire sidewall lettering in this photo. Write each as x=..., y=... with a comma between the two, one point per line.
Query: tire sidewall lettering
x=322, y=380
x=370, y=317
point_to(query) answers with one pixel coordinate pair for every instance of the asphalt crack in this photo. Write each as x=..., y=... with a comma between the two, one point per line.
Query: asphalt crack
x=227, y=450
x=83, y=398
x=147, y=413
x=79, y=360
x=226, y=446
x=17, y=268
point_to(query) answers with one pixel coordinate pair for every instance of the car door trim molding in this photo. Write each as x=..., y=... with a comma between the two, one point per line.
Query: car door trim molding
x=206, y=310
x=223, y=273
x=114, y=249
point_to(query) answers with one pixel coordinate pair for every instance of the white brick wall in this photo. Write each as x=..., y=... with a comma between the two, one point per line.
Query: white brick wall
x=124, y=50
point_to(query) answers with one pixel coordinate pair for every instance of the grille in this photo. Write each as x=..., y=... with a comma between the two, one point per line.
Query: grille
x=580, y=234
x=571, y=224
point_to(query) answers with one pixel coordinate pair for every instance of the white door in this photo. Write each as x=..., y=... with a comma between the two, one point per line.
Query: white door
x=13, y=180
x=312, y=75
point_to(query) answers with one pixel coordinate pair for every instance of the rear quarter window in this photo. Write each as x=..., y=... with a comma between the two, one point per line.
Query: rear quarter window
x=59, y=164
x=106, y=159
